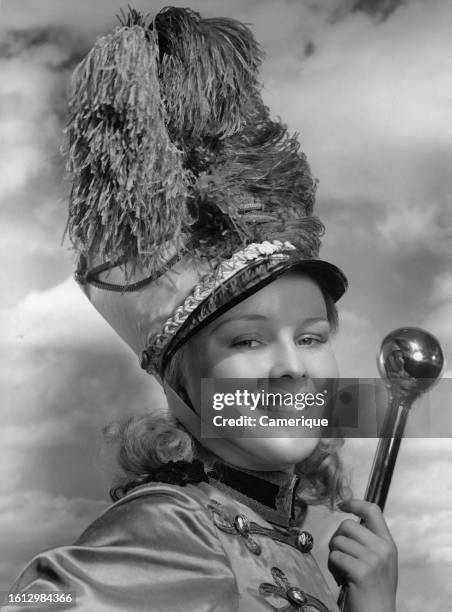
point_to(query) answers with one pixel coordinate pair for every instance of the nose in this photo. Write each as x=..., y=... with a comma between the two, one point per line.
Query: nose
x=288, y=361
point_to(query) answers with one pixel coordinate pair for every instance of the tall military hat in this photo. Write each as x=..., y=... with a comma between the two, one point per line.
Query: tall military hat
x=183, y=186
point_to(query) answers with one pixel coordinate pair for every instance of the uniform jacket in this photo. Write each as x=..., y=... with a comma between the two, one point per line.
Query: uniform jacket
x=199, y=547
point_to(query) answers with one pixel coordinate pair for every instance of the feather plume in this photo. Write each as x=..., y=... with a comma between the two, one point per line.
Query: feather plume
x=129, y=186
x=168, y=137
x=262, y=184
x=208, y=73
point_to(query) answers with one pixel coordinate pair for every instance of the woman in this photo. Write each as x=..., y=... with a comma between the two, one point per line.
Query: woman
x=191, y=211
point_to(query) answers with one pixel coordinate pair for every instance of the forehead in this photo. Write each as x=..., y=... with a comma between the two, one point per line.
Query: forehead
x=292, y=296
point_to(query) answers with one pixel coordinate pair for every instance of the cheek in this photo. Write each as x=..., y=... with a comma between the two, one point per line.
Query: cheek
x=203, y=362
x=238, y=366
x=258, y=364
x=324, y=364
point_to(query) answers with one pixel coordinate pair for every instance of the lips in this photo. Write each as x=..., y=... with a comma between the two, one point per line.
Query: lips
x=291, y=386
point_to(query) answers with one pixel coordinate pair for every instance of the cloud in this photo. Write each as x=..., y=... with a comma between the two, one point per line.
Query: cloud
x=79, y=376
x=422, y=488
x=356, y=344
x=439, y=320
x=436, y=528
x=33, y=521
x=380, y=8
x=93, y=18
x=416, y=228
x=59, y=317
x=26, y=124
x=28, y=15
x=373, y=109
x=32, y=216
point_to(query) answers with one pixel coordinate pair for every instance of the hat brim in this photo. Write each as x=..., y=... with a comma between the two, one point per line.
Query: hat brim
x=329, y=276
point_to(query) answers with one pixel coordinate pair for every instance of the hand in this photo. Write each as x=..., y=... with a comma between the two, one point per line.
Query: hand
x=364, y=557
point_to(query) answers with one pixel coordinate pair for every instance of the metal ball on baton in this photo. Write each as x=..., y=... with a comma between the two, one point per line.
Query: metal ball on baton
x=410, y=361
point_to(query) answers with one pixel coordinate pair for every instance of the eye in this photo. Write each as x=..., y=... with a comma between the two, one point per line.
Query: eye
x=250, y=343
x=312, y=340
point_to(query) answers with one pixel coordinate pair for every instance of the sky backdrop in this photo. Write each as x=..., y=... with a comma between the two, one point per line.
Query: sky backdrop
x=367, y=85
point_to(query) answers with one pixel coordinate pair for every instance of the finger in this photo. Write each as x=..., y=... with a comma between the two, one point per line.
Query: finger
x=370, y=514
x=350, y=528
x=344, y=567
x=347, y=546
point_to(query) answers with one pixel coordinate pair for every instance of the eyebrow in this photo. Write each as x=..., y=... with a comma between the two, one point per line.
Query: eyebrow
x=254, y=317
x=244, y=317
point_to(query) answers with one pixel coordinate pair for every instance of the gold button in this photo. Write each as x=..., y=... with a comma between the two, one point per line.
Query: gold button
x=305, y=541
x=241, y=524
x=296, y=597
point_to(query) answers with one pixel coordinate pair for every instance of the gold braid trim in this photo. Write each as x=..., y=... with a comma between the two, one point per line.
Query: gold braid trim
x=274, y=249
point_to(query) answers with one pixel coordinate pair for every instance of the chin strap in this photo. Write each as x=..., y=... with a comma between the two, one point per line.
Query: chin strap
x=223, y=447
x=182, y=412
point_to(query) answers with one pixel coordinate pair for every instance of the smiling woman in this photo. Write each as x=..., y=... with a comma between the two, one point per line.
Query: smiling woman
x=191, y=212
x=280, y=334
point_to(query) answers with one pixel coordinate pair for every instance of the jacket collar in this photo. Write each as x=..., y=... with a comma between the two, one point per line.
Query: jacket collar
x=270, y=494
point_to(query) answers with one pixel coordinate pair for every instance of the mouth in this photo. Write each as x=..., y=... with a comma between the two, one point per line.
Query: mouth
x=290, y=388
x=290, y=399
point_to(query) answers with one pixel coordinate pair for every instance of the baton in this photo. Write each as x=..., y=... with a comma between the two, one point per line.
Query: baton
x=410, y=361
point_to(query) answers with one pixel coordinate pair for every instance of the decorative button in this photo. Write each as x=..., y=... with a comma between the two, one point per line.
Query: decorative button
x=296, y=597
x=282, y=588
x=305, y=541
x=242, y=525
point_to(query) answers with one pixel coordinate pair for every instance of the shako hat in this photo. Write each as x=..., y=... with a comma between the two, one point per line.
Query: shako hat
x=186, y=195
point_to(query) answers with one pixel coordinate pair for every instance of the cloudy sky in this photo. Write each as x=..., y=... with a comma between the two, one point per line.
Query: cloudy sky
x=367, y=84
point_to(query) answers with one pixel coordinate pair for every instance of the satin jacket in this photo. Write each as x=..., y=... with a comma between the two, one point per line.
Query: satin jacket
x=193, y=548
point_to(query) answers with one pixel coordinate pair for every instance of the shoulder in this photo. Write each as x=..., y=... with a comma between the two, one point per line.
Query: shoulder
x=158, y=544
x=149, y=512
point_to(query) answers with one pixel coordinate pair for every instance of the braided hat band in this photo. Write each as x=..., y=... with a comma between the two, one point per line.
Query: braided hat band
x=279, y=256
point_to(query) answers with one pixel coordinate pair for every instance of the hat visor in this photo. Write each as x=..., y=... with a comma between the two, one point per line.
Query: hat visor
x=329, y=276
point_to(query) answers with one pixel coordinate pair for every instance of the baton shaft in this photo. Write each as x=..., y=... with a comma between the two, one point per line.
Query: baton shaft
x=384, y=463
x=385, y=458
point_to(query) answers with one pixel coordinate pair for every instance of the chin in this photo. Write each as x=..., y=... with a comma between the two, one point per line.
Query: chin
x=278, y=453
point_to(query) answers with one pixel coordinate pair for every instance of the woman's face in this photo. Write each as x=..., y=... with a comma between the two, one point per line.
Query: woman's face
x=281, y=335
